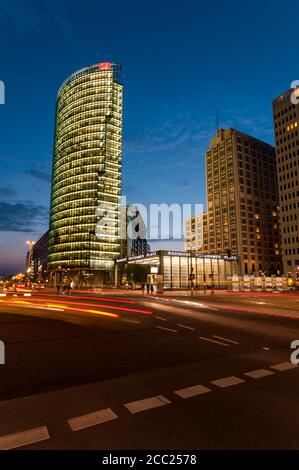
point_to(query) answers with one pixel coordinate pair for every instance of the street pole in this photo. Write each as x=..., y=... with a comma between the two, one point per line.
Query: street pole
x=191, y=278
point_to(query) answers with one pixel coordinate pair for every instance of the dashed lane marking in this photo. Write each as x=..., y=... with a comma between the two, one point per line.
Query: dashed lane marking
x=20, y=439
x=185, y=326
x=92, y=419
x=192, y=391
x=283, y=366
x=213, y=341
x=147, y=404
x=259, y=373
x=131, y=321
x=160, y=318
x=227, y=381
x=266, y=349
x=166, y=329
x=226, y=339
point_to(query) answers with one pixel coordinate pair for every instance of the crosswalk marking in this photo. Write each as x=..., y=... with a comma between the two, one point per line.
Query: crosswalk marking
x=259, y=373
x=283, y=366
x=192, y=391
x=91, y=419
x=227, y=381
x=20, y=439
x=147, y=404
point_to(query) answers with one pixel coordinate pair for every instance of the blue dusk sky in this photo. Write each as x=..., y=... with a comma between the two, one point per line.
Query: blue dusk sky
x=182, y=62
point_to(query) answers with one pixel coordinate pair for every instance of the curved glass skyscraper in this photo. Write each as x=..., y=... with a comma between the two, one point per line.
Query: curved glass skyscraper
x=86, y=177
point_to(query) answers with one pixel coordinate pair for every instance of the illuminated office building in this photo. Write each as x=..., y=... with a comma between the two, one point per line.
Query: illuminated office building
x=242, y=202
x=286, y=126
x=86, y=177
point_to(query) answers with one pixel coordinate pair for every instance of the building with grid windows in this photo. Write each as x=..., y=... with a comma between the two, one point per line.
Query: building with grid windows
x=286, y=127
x=86, y=177
x=196, y=234
x=242, y=202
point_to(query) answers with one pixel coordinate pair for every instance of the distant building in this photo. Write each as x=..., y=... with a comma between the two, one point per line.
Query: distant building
x=196, y=239
x=135, y=242
x=86, y=180
x=242, y=202
x=39, y=257
x=286, y=127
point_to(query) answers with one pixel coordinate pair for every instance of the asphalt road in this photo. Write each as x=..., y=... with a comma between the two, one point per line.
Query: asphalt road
x=138, y=372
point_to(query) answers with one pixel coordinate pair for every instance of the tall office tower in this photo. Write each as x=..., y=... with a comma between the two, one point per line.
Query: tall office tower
x=242, y=201
x=86, y=178
x=286, y=125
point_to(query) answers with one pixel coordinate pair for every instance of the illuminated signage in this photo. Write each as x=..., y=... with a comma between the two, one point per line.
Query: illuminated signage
x=105, y=66
x=154, y=269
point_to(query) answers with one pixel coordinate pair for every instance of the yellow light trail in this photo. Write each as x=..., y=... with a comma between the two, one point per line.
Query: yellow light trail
x=63, y=306
x=98, y=312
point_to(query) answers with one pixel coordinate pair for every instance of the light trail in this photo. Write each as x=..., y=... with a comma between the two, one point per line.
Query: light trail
x=62, y=307
x=121, y=301
x=85, y=304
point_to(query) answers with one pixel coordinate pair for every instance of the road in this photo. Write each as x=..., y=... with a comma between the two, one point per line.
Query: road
x=121, y=371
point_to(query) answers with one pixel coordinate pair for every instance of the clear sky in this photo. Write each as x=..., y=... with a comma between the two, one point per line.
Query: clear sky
x=182, y=61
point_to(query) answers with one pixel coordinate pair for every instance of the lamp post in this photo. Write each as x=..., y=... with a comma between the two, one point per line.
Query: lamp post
x=191, y=278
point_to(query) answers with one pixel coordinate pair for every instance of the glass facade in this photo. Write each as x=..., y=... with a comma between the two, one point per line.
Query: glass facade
x=176, y=268
x=208, y=270
x=86, y=172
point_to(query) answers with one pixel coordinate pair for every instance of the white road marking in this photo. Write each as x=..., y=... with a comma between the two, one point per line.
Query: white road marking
x=147, y=404
x=160, y=318
x=284, y=366
x=195, y=304
x=226, y=339
x=259, y=373
x=24, y=438
x=192, y=391
x=27, y=295
x=266, y=349
x=131, y=321
x=227, y=381
x=2, y=295
x=92, y=419
x=185, y=326
x=166, y=329
x=213, y=341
